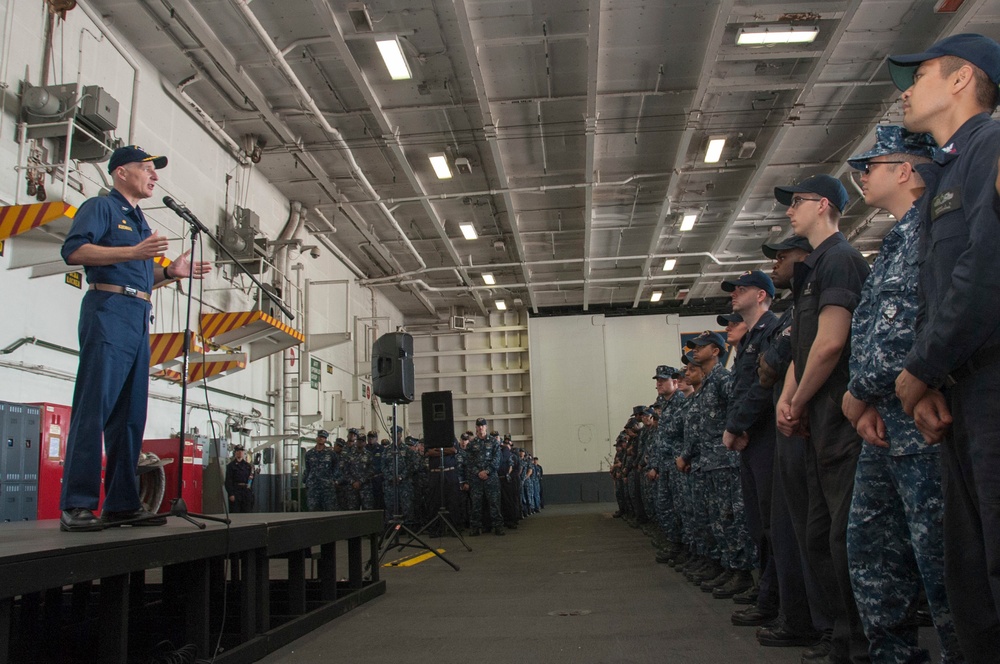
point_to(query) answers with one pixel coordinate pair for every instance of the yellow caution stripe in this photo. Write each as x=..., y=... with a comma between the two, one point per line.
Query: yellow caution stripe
x=411, y=560
x=213, y=325
x=17, y=219
x=166, y=346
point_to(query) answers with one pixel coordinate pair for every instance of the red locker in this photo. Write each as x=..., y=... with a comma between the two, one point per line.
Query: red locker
x=193, y=470
x=52, y=456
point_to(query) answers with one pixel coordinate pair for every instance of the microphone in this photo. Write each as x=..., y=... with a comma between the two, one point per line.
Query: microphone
x=175, y=206
x=185, y=214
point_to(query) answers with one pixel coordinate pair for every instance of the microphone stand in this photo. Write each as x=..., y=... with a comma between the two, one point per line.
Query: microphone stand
x=178, y=507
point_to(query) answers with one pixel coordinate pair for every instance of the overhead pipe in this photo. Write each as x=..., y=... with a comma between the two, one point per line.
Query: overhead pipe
x=325, y=241
x=533, y=189
x=401, y=278
x=570, y=282
x=206, y=120
x=243, y=6
x=41, y=344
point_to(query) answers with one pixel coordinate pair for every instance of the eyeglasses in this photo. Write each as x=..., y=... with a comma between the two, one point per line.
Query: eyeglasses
x=867, y=168
x=796, y=200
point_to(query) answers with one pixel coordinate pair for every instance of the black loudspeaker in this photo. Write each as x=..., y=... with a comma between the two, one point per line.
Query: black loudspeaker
x=392, y=367
x=439, y=419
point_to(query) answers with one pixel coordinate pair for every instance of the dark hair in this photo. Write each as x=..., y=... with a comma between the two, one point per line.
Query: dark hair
x=987, y=92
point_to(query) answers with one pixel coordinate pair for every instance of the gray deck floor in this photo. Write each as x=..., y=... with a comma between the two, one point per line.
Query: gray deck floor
x=500, y=607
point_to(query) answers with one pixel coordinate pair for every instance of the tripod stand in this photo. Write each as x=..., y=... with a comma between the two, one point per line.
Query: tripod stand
x=396, y=528
x=178, y=507
x=442, y=513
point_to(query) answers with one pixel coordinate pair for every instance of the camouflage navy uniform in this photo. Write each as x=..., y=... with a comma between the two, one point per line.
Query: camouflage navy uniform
x=895, y=537
x=358, y=470
x=399, y=464
x=319, y=479
x=681, y=482
x=631, y=475
x=648, y=451
x=616, y=477
x=697, y=529
x=723, y=498
x=483, y=454
x=668, y=494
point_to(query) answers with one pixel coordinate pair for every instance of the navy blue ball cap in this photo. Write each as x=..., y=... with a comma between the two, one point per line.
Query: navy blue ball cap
x=726, y=319
x=754, y=278
x=771, y=249
x=130, y=153
x=666, y=371
x=688, y=358
x=977, y=49
x=481, y=422
x=826, y=186
x=893, y=139
x=708, y=337
x=323, y=433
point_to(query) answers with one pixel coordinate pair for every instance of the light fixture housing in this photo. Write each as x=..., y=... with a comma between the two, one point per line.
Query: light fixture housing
x=687, y=222
x=360, y=17
x=776, y=34
x=501, y=305
x=395, y=61
x=439, y=162
x=669, y=264
x=468, y=231
x=655, y=297
x=714, y=151
x=488, y=279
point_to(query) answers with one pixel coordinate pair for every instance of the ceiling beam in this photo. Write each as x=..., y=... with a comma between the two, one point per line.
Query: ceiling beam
x=389, y=134
x=492, y=139
x=680, y=157
x=185, y=13
x=775, y=143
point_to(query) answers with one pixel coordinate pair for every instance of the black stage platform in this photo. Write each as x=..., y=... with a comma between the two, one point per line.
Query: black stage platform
x=112, y=596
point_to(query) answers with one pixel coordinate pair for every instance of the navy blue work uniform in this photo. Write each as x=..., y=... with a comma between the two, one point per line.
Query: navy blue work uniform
x=958, y=349
x=112, y=382
x=791, y=491
x=832, y=275
x=239, y=478
x=751, y=410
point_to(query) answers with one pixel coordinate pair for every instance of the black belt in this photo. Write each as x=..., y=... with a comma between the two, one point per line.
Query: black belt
x=244, y=485
x=981, y=359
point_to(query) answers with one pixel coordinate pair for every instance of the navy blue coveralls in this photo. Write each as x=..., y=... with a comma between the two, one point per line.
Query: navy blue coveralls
x=112, y=383
x=958, y=349
x=751, y=410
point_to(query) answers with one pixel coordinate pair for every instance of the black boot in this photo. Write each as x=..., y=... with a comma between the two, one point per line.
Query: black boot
x=740, y=581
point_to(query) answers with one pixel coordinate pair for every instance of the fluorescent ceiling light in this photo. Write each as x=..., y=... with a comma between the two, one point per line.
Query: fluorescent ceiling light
x=501, y=305
x=714, y=151
x=395, y=62
x=439, y=162
x=776, y=34
x=687, y=223
x=488, y=279
x=655, y=297
x=669, y=264
x=469, y=231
